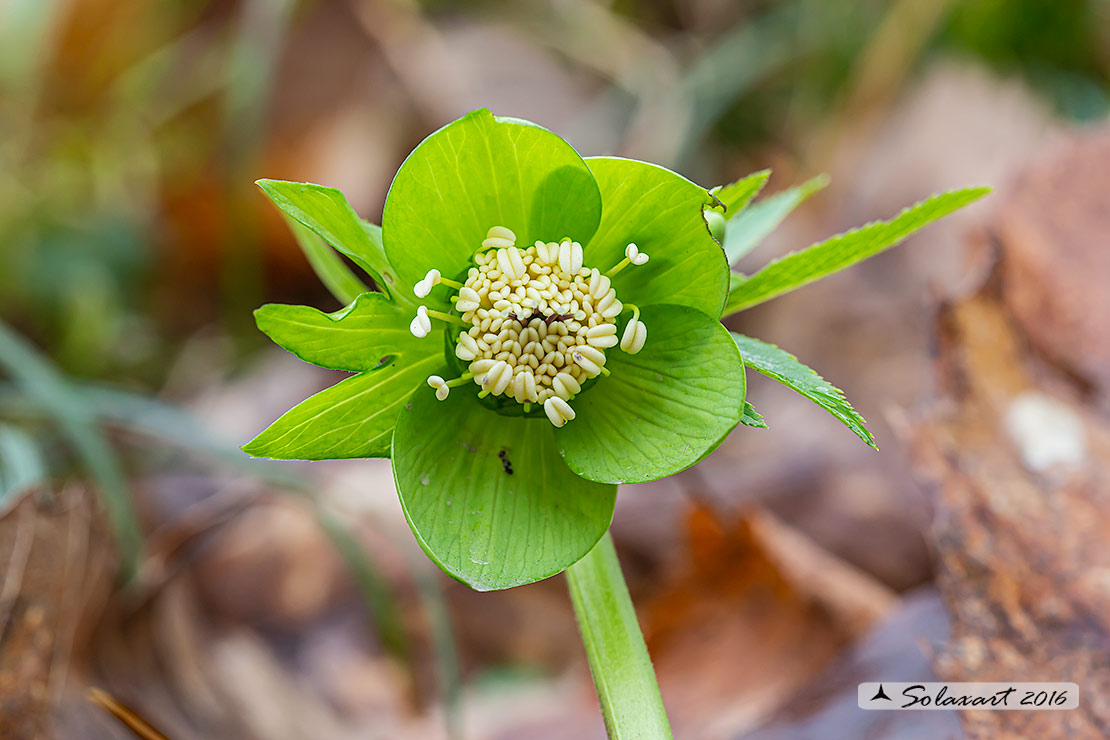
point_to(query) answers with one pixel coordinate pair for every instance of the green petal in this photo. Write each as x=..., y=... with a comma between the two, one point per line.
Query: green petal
x=482, y=524
x=661, y=410
x=478, y=172
x=369, y=333
x=354, y=418
x=662, y=213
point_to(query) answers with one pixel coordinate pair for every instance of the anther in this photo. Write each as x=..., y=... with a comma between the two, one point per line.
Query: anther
x=566, y=387
x=570, y=257
x=421, y=325
x=469, y=300
x=635, y=334
x=466, y=348
x=592, y=368
x=431, y=280
x=602, y=336
x=499, y=237
x=634, y=255
x=558, y=411
x=442, y=389
x=424, y=287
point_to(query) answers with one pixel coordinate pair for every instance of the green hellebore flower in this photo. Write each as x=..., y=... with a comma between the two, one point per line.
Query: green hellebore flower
x=563, y=311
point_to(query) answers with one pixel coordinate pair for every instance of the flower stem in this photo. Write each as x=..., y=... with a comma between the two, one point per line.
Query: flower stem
x=622, y=671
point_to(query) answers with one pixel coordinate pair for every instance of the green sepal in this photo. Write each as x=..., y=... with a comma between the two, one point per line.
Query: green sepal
x=662, y=213
x=488, y=497
x=478, y=172
x=661, y=410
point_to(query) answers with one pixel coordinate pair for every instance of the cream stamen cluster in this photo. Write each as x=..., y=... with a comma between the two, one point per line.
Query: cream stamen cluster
x=537, y=321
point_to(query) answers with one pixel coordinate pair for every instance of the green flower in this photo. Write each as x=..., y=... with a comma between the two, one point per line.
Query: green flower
x=565, y=314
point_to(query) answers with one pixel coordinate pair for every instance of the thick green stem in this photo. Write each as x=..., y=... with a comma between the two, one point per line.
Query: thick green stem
x=622, y=671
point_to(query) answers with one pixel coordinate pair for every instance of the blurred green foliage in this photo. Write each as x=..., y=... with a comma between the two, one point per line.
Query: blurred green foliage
x=130, y=133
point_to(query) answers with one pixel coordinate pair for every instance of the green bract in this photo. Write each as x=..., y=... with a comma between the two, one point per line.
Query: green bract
x=501, y=492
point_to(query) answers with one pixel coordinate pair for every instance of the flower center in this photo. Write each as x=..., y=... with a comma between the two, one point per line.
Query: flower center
x=536, y=322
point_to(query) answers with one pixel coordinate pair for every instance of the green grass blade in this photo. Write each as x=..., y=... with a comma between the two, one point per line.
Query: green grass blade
x=844, y=250
x=623, y=675
x=21, y=465
x=371, y=585
x=784, y=367
x=747, y=228
x=38, y=378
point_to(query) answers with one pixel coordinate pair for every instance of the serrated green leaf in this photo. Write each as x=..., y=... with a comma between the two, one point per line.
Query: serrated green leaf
x=661, y=410
x=327, y=212
x=662, y=213
x=353, y=418
x=784, y=367
x=475, y=173
x=328, y=266
x=369, y=333
x=822, y=259
x=484, y=525
x=21, y=465
x=752, y=418
x=736, y=196
x=747, y=228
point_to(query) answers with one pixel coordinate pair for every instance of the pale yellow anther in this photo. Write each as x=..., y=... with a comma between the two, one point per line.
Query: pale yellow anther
x=501, y=232
x=442, y=389
x=466, y=348
x=508, y=260
x=592, y=368
x=635, y=334
x=606, y=301
x=565, y=385
x=634, y=255
x=479, y=369
x=498, y=386
x=421, y=324
x=424, y=287
x=570, y=257
x=547, y=254
x=469, y=300
x=558, y=411
x=538, y=323
x=499, y=237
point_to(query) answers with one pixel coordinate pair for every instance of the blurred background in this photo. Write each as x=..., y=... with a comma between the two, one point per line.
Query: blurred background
x=289, y=600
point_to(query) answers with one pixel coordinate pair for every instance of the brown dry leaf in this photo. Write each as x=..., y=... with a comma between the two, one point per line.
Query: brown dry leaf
x=1020, y=455
x=747, y=621
x=900, y=647
x=57, y=562
x=1055, y=228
